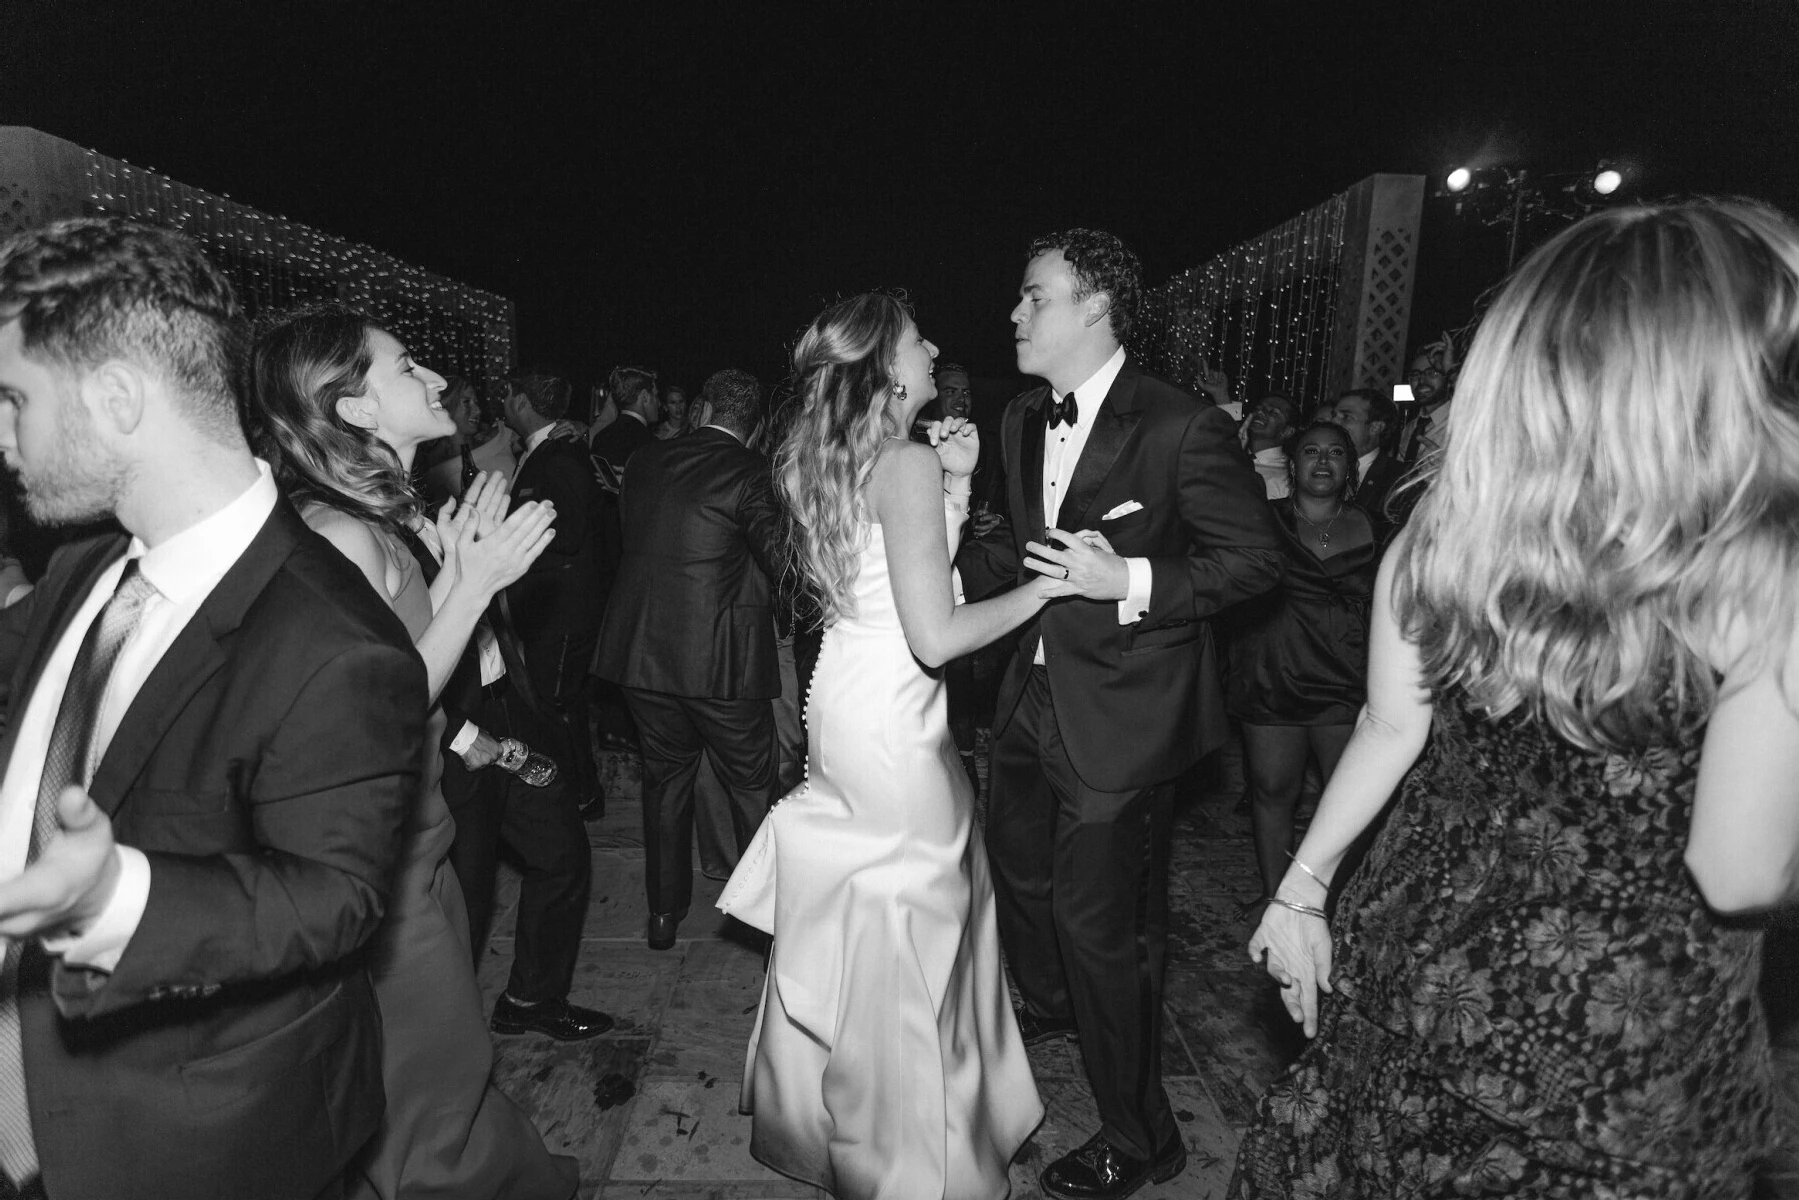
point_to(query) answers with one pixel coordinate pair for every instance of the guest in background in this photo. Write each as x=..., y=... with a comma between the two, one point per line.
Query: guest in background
x=1270, y=422
x=691, y=633
x=972, y=680
x=556, y=609
x=479, y=444
x=1582, y=684
x=342, y=409
x=192, y=1014
x=1432, y=379
x=1298, y=657
x=1372, y=419
x=15, y=584
x=602, y=411
x=673, y=420
x=633, y=389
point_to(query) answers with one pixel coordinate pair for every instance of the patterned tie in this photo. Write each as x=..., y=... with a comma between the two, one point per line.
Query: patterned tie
x=68, y=761
x=1063, y=410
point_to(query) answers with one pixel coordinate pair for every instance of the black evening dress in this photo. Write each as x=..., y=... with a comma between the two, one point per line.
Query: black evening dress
x=1532, y=998
x=1299, y=655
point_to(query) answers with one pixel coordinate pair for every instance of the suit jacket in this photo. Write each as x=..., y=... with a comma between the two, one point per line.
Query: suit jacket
x=564, y=592
x=1371, y=492
x=619, y=441
x=693, y=611
x=266, y=769
x=1137, y=704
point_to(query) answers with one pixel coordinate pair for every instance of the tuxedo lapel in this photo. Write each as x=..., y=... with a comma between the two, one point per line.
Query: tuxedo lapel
x=1030, y=466
x=1112, y=427
x=192, y=658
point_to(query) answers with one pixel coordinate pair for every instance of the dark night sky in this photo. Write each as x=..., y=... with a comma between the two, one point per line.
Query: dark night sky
x=681, y=185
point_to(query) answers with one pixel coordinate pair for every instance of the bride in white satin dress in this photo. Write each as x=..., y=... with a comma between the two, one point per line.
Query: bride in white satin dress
x=886, y=1061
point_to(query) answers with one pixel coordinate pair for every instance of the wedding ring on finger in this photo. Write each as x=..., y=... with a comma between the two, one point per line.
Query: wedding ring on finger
x=1065, y=572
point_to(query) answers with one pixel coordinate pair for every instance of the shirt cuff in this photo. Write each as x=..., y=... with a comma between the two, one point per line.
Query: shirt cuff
x=465, y=737
x=104, y=942
x=1135, y=605
x=955, y=584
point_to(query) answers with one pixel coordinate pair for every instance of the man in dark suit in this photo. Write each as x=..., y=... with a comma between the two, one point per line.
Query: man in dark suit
x=239, y=721
x=690, y=633
x=1372, y=420
x=633, y=390
x=555, y=610
x=1160, y=523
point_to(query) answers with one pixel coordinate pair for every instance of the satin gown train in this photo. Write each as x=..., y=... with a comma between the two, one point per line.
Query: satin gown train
x=886, y=1062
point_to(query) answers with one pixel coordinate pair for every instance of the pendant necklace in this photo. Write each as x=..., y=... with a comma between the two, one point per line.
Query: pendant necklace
x=1324, y=533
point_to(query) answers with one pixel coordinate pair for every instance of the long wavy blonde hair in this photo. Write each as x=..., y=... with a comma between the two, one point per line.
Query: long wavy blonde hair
x=838, y=418
x=1621, y=481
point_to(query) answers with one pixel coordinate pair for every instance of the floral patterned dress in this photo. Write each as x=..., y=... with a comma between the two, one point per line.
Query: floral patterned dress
x=1531, y=998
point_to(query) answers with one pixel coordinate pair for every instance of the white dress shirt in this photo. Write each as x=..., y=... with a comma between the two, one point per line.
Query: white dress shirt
x=1062, y=448
x=531, y=443
x=184, y=570
x=1271, y=465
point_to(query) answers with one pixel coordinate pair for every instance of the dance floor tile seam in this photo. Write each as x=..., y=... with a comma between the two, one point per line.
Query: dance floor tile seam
x=650, y=1108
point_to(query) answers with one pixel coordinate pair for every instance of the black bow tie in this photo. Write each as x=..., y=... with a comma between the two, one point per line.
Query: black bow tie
x=1063, y=410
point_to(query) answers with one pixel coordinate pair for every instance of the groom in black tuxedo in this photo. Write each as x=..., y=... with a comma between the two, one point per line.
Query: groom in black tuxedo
x=1138, y=494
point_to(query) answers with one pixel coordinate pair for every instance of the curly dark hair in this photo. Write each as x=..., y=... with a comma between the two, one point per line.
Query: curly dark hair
x=1099, y=262
x=1290, y=448
x=547, y=394
x=735, y=397
x=87, y=288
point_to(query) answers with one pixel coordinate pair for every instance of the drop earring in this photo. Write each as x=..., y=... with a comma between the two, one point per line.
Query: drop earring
x=899, y=393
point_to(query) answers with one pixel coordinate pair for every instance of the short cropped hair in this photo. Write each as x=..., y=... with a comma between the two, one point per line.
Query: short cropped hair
x=1099, y=262
x=945, y=368
x=91, y=288
x=735, y=397
x=548, y=394
x=625, y=383
x=1380, y=408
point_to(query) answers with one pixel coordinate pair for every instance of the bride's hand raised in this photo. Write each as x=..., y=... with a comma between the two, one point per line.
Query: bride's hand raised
x=957, y=442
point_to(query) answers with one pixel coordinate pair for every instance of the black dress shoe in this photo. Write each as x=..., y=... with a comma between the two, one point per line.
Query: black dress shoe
x=557, y=1018
x=1036, y=1030
x=594, y=807
x=1101, y=1171
x=662, y=930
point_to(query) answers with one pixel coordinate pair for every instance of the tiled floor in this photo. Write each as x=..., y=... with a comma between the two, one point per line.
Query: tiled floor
x=651, y=1109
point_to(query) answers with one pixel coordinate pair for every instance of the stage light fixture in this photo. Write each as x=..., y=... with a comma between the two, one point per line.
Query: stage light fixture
x=1607, y=180
x=1459, y=179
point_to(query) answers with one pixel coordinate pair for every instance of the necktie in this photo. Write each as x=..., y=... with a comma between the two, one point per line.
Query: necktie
x=66, y=762
x=1063, y=410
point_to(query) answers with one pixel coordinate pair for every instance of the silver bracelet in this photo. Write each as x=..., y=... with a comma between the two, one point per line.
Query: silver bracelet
x=1307, y=909
x=1308, y=871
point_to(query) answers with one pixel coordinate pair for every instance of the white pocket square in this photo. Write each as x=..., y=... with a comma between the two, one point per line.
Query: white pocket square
x=1123, y=510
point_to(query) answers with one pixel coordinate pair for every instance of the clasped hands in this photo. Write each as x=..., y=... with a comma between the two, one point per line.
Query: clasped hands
x=1083, y=562
x=481, y=540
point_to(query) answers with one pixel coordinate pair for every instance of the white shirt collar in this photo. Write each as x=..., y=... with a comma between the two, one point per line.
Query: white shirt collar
x=538, y=437
x=1273, y=454
x=635, y=416
x=1092, y=393
x=722, y=429
x=1363, y=463
x=194, y=560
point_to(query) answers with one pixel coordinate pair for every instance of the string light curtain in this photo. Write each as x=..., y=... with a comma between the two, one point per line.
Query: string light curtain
x=275, y=263
x=1265, y=311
